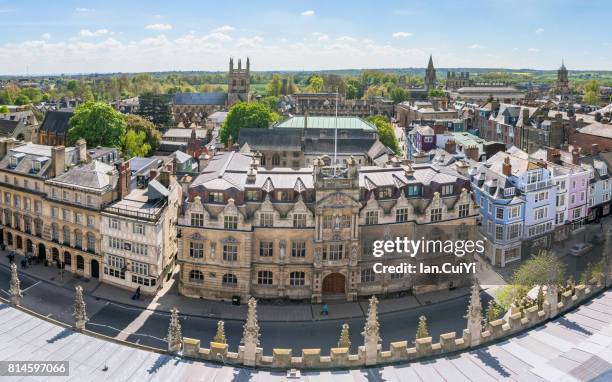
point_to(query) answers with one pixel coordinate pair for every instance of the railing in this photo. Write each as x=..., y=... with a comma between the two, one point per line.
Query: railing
x=539, y=185
x=156, y=210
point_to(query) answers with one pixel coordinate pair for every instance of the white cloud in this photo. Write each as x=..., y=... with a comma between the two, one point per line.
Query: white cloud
x=401, y=34
x=308, y=13
x=224, y=29
x=217, y=36
x=477, y=46
x=159, y=27
x=321, y=36
x=90, y=33
x=346, y=39
x=83, y=9
x=533, y=50
x=539, y=30
x=45, y=36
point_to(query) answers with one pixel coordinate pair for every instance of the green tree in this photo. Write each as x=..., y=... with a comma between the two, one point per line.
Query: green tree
x=315, y=84
x=72, y=85
x=98, y=123
x=434, y=93
x=422, y=329
x=274, y=86
x=386, y=133
x=374, y=90
x=270, y=102
x=242, y=115
x=34, y=94
x=134, y=144
x=139, y=124
x=351, y=92
x=22, y=99
x=399, y=95
x=156, y=108
x=591, y=98
x=592, y=86
x=541, y=269
x=4, y=109
x=508, y=293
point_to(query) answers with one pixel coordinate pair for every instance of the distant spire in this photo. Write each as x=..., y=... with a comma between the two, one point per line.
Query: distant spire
x=563, y=64
x=430, y=64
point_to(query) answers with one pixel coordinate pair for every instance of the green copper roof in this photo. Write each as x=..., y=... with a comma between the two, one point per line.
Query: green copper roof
x=325, y=122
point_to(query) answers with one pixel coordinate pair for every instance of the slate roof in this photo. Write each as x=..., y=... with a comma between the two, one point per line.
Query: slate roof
x=271, y=139
x=93, y=175
x=345, y=146
x=56, y=122
x=184, y=133
x=212, y=98
x=597, y=129
x=7, y=127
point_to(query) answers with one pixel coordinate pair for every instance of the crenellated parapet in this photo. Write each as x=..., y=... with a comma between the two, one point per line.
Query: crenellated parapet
x=372, y=352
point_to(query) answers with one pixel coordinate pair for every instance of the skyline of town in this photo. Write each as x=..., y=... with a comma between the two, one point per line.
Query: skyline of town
x=79, y=37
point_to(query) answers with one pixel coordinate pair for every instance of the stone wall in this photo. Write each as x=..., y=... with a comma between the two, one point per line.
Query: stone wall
x=372, y=353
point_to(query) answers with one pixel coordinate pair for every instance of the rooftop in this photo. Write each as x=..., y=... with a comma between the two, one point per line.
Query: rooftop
x=325, y=122
x=212, y=98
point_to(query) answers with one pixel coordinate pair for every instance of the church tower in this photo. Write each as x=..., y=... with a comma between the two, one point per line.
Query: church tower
x=238, y=82
x=562, y=85
x=430, y=75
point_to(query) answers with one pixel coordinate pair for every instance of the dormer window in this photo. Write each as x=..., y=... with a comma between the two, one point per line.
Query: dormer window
x=13, y=161
x=509, y=191
x=36, y=166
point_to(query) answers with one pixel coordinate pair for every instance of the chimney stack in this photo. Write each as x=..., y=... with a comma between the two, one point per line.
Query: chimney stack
x=507, y=167
x=450, y=146
x=471, y=152
x=575, y=156
x=58, y=160
x=203, y=160
x=124, y=178
x=81, y=146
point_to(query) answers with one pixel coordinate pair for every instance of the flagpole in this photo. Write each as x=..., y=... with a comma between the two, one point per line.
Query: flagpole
x=336, y=134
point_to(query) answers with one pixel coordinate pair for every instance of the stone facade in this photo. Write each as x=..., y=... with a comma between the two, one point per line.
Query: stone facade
x=229, y=235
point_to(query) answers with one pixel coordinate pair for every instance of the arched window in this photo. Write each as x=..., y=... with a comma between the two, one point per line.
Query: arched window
x=196, y=276
x=67, y=259
x=264, y=278
x=54, y=232
x=230, y=279
x=297, y=278
x=9, y=239
x=80, y=263
x=275, y=160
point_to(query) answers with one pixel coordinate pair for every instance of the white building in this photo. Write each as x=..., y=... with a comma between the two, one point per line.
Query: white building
x=139, y=234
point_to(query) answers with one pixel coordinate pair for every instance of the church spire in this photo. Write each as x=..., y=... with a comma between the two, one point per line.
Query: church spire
x=430, y=64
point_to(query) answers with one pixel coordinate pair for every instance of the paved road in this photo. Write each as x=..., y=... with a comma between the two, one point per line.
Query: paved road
x=113, y=318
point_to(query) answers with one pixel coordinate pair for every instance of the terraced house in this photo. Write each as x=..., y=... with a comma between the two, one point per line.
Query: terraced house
x=51, y=201
x=308, y=233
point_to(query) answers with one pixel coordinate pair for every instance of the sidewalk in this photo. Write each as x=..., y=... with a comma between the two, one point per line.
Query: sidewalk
x=169, y=298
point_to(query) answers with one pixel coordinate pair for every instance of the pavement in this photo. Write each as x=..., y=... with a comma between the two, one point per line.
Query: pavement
x=574, y=347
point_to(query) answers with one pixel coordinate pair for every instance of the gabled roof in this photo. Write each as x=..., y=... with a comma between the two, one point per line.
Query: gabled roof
x=93, y=175
x=7, y=127
x=200, y=98
x=56, y=122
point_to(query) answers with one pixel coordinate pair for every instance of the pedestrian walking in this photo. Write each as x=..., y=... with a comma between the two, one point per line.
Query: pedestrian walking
x=325, y=310
x=138, y=293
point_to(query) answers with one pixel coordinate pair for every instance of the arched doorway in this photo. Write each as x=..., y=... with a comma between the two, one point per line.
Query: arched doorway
x=55, y=255
x=95, y=269
x=9, y=239
x=334, y=283
x=19, y=242
x=80, y=263
x=29, y=247
x=67, y=259
x=42, y=252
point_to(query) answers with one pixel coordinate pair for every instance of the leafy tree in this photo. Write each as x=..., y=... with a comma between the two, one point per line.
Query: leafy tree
x=386, y=133
x=494, y=311
x=156, y=108
x=270, y=102
x=374, y=90
x=434, y=93
x=351, y=92
x=399, y=95
x=274, y=86
x=72, y=85
x=422, y=329
x=591, y=98
x=508, y=293
x=541, y=269
x=22, y=99
x=34, y=94
x=592, y=86
x=242, y=115
x=139, y=124
x=4, y=109
x=98, y=123
x=133, y=144
x=315, y=84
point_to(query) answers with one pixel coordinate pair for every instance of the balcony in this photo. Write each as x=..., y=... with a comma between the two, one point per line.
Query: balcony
x=539, y=185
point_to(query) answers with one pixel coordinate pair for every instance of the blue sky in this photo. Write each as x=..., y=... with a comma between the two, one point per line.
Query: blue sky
x=109, y=36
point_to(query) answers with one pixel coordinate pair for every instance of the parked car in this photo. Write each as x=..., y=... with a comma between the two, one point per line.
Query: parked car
x=580, y=249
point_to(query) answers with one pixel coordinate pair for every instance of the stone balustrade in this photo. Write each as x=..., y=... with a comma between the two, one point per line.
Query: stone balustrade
x=399, y=351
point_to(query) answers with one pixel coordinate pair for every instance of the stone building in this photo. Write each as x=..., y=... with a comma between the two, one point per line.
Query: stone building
x=139, y=233
x=324, y=104
x=308, y=233
x=196, y=107
x=20, y=124
x=456, y=80
x=54, y=129
x=410, y=112
x=52, y=198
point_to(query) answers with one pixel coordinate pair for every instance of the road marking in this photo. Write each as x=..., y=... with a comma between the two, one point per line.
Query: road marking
x=33, y=285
